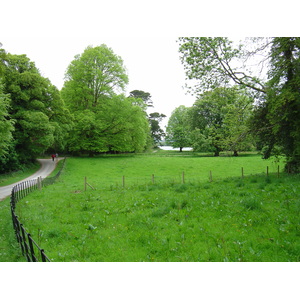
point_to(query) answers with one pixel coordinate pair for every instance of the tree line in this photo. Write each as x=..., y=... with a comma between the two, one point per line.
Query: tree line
x=89, y=115
x=238, y=107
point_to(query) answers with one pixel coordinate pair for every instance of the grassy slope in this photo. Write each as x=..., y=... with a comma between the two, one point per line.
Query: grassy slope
x=255, y=219
x=7, y=179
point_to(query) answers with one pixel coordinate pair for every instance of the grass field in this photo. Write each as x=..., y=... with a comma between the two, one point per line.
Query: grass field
x=230, y=219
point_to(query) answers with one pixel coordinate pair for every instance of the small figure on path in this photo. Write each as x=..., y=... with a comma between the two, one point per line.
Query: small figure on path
x=53, y=156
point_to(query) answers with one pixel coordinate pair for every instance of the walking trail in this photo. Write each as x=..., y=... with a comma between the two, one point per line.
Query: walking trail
x=47, y=167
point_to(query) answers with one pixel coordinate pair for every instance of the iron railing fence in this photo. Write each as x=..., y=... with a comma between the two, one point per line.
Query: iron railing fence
x=30, y=249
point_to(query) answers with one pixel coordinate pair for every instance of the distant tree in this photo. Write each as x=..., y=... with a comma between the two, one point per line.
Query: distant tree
x=219, y=119
x=156, y=132
x=178, y=129
x=93, y=77
x=146, y=97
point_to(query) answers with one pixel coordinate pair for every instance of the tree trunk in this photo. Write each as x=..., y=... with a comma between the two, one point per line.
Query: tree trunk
x=180, y=149
x=235, y=153
x=217, y=153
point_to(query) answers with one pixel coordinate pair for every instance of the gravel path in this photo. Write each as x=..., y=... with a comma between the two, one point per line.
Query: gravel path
x=47, y=166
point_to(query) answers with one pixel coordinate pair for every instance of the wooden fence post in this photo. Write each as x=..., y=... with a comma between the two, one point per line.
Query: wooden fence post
x=267, y=170
x=210, y=176
x=84, y=183
x=183, y=177
x=39, y=182
x=123, y=181
x=242, y=172
x=153, y=178
x=278, y=171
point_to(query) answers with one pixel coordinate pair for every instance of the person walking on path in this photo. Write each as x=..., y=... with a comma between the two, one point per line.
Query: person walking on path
x=53, y=156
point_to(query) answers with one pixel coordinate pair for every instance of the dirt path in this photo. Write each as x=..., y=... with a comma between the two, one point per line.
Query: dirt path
x=47, y=166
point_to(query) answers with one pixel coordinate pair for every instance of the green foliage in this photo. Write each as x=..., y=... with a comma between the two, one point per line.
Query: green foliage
x=178, y=130
x=117, y=126
x=283, y=96
x=103, y=120
x=219, y=120
x=6, y=125
x=40, y=118
x=214, y=62
x=156, y=132
x=92, y=77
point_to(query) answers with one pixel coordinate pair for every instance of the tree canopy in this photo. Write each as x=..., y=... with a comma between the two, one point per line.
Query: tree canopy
x=92, y=77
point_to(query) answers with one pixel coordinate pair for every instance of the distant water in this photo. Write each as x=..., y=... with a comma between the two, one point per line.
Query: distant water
x=176, y=149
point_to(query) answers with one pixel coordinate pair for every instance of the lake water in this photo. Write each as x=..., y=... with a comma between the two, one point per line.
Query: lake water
x=176, y=149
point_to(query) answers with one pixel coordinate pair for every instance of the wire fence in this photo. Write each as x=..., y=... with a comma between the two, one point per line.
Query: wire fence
x=30, y=249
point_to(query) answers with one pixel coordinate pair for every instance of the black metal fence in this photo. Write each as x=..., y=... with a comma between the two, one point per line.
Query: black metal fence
x=30, y=249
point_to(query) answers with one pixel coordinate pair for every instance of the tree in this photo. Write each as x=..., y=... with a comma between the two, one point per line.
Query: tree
x=103, y=120
x=215, y=62
x=34, y=105
x=92, y=77
x=156, y=132
x=219, y=119
x=6, y=124
x=280, y=112
x=118, y=126
x=146, y=97
x=178, y=130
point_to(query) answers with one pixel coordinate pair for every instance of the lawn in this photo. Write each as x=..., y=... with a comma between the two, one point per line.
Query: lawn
x=229, y=219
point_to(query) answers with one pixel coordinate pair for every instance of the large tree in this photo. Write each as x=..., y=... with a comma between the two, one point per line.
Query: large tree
x=281, y=110
x=92, y=77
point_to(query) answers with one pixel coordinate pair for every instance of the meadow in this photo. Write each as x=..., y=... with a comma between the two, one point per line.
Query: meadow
x=167, y=217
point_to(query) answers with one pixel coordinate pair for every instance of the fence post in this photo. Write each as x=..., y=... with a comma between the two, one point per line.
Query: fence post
x=39, y=182
x=24, y=242
x=31, y=248
x=123, y=181
x=267, y=170
x=242, y=172
x=153, y=178
x=278, y=171
x=210, y=176
x=84, y=183
x=183, y=177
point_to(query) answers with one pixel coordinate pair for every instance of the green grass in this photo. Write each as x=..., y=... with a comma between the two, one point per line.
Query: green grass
x=229, y=219
x=7, y=179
